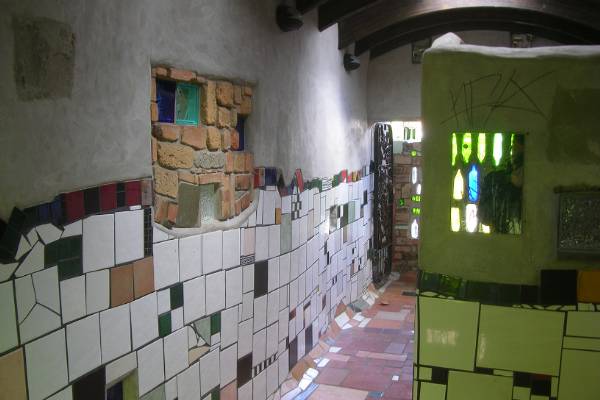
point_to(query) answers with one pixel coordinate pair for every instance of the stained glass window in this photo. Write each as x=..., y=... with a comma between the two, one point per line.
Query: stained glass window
x=489, y=168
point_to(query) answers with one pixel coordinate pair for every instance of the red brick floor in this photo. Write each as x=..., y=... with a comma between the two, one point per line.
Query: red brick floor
x=371, y=356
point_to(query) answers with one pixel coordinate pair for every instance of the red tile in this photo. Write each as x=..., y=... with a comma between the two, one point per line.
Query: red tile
x=108, y=197
x=133, y=193
x=74, y=205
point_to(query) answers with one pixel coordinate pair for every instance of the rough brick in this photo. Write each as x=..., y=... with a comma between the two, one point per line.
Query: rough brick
x=165, y=182
x=237, y=95
x=226, y=139
x=187, y=177
x=224, y=119
x=235, y=139
x=225, y=93
x=213, y=138
x=225, y=207
x=249, y=162
x=200, y=79
x=229, y=162
x=172, y=213
x=210, y=159
x=217, y=177
x=248, y=91
x=245, y=200
x=245, y=108
x=209, y=103
x=167, y=132
x=161, y=208
x=234, y=117
x=153, y=145
x=153, y=112
x=194, y=136
x=239, y=161
x=182, y=75
x=153, y=89
x=173, y=156
x=242, y=182
x=160, y=71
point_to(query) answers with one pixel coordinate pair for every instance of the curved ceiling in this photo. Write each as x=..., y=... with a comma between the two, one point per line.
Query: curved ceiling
x=380, y=26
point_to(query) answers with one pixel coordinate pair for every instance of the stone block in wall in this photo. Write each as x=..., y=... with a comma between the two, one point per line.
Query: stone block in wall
x=173, y=156
x=217, y=177
x=161, y=72
x=235, y=139
x=225, y=139
x=210, y=159
x=208, y=109
x=247, y=90
x=166, y=132
x=225, y=93
x=249, y=163
x=243, y=182
x=234, y=117
x=165, y=182
x=239, y=161
x=161, y=209
x=224, y=202
x=213, y=138
x=182, y=75
x=153, y=112
x=224, y=118
x=189, y=203
x=229, y=162
x=154, y=149
x=152, y=89
x=185, y=176
x=194, y=136
x=237, y=94
x=245, y=108
x=172, y=213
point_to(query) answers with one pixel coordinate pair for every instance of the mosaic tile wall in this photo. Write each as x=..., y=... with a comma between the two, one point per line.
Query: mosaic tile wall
x=97, y=301
x=477, y=340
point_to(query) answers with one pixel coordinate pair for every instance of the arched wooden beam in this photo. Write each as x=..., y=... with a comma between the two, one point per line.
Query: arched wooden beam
x=333, y=11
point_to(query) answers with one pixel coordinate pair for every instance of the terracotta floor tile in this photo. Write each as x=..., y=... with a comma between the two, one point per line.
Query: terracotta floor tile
x=326, y=392
x=332, y=376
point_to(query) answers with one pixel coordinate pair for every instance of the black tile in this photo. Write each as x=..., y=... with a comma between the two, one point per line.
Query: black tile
x=91, y=200
x=115, y=392
x=529, y=294
x=11, y=235
x=522, y=379
x=176, y=293
x=244, y=370
x=308, y=340
x=439, y=375
x=90, y=387
x=508, y=295
x=147, y=232
x=293, y=358
x=261, y=278
x=541, y=385
x=558, y=287
x=121, y=202
x=486, y=371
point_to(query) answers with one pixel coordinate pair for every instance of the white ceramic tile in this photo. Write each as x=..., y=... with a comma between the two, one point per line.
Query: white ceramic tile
x=158, y=235
x=120, y=368
x=163, y=299
x=150, y=367
x=45, y=284
x=262, y=243
x=215, y=292
x=245, y=392
x=284, y=368
x=228, y=365
x=272, y=307
x=188, y=383
x=177, y=318
x=247, y=305
x=48, y=233
x=72, y=298
x=284, y=269
x=97, y=292
x=259, y=347
x=98, y=242
x=245, y=338
x=286, y=204
x=129, y=236
x=212, y=251
x=283, y=296
x=83, y=344
x=8, y=319
x=231, y=248
x=284, y=319
x=272, y=339
x=233, y=287
x=166, y=263
x=190, y=257
x=273, y=282
x=39, y=322
x=248, y=280
x=73, y=229
x=260, y=313
x=248, y=238
x=210, y=371
x=269, y=207
x=176, y=353
x=194, y=304
x=229, y=327
x=144, y=320
x=6, y=270
x=272, y=378
x=23, y=248
x=46, y=365
x=65, y=394
x=25, y=296
x=115, y=333
x=274, y=240
x=171, y=389
x=33, y=262
x=259, y=386
x=295, y=233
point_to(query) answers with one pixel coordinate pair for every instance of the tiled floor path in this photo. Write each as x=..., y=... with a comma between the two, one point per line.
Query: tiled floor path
x=377, y=357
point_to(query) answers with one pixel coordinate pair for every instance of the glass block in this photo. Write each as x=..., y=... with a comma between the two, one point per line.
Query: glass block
x=165, y=98
x=186, y=104
x=208, y=203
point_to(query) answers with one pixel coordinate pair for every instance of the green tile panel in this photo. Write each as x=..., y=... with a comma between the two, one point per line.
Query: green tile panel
x=432, y=391
x=521, y=393
x=580, y=375
x=471, y=386
x=581, y=343
x=583, y=323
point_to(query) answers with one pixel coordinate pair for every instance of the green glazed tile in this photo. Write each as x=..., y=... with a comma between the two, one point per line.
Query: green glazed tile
x=521, y=393
x=581, y=343
x=215, y=323
x=176, y=293
x=130, y=387
x=432, y=391
x=554, y=386
x=164, y=324
x=579, y=375
x=583, y=323
x=470, y=386
x=447, y=332
x=449, y=285
x=428, y=281
x=425, y=373
x=520, y=340
x=415, y=391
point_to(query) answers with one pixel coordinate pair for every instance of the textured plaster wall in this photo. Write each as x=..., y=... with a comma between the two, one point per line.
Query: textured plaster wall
x=308, y=112
x=394, y=82
x=556, y=109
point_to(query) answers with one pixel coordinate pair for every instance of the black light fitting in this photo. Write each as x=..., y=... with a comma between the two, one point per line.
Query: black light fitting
x=351, y=62
x=288, y=18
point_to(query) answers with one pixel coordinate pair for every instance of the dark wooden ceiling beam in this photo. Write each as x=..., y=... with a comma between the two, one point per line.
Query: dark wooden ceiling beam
x=304, y=6
x=391, y=12
x=461, y=19
x=334, y=11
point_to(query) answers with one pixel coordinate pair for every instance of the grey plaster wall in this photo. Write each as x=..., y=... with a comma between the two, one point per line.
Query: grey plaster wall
x=545, y=91
x=394, y=82
x=308, y=112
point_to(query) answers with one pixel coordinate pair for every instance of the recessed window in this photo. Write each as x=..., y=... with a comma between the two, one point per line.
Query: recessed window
x=178, y=102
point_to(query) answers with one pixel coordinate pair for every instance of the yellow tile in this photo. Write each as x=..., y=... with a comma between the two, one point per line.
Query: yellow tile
x=12, y=376
x=588, y=286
